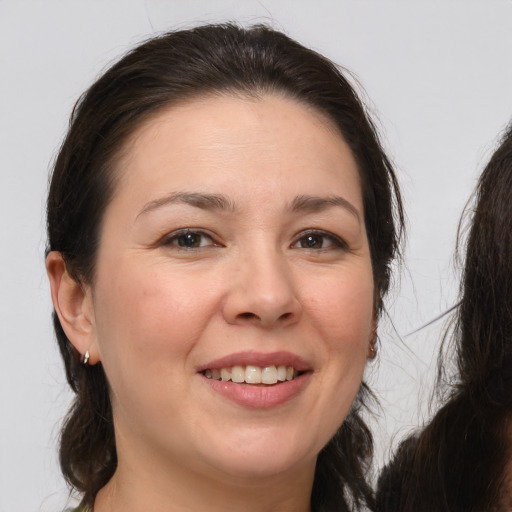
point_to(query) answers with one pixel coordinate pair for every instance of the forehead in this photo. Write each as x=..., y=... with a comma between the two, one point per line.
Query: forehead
x=223, y=140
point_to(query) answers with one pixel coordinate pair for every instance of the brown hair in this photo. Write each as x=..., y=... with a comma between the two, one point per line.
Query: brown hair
x=169, y=69
x=458, y=462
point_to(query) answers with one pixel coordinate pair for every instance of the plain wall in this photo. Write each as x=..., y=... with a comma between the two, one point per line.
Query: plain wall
x=439, y=76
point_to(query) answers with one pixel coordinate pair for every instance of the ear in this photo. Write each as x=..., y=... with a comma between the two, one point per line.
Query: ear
x=371, y=349
x=73, y=304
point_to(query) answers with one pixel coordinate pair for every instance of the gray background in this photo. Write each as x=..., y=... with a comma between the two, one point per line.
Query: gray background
x=439, y=76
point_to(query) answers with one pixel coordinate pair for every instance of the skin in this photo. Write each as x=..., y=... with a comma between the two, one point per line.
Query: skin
x=156, y=311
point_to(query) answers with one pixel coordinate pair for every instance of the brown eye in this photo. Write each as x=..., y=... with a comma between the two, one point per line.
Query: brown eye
x=311, y=242
x=188, y=240
x=319, y=240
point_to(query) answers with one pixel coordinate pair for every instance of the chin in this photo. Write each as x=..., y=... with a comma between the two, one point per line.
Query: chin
x=264, y=466
x=265, y=455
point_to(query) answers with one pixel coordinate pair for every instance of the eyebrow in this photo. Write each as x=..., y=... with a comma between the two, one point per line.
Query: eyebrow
x=301, y=204
x=314, y=204
x=203, y=201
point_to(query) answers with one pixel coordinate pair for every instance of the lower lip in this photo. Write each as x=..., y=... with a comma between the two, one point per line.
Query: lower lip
x=259, y=397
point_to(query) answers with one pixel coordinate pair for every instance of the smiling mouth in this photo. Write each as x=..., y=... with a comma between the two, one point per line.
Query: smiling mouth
x=251, y=374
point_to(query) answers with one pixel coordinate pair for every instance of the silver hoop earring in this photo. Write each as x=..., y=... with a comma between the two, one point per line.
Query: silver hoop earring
x=85, y=360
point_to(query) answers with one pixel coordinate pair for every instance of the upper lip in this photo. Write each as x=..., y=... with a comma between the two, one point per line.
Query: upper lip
x=258, y=359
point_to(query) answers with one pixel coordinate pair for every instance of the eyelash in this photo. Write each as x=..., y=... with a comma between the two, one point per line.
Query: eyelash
x=336, y=241
x=174, y=240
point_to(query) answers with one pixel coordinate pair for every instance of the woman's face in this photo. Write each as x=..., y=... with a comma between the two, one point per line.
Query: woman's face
x=232, y=256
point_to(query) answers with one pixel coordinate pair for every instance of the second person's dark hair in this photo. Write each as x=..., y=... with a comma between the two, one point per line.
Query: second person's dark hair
x=458, y=463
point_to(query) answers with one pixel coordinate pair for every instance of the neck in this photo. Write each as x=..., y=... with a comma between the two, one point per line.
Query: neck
x=145, y=482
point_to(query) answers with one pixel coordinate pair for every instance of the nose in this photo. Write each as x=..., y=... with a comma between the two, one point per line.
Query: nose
x=262, y=292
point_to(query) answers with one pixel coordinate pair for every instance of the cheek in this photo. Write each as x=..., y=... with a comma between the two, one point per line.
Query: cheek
x=150, y=317
x=343, y=310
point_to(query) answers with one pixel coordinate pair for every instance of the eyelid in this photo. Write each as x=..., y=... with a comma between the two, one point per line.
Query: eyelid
x=337, y=241
x=168, y=238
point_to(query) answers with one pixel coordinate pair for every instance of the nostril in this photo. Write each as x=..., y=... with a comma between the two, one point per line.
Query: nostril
x=252, y=316
x=266, y=319
x=247, y=316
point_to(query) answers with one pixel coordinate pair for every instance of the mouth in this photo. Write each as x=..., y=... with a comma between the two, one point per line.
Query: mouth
x=257, y=380
x=251, y=374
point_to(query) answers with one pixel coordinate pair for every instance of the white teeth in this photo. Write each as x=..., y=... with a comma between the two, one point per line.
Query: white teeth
x=269, y=375
x=253, y=374
x=237, y=374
